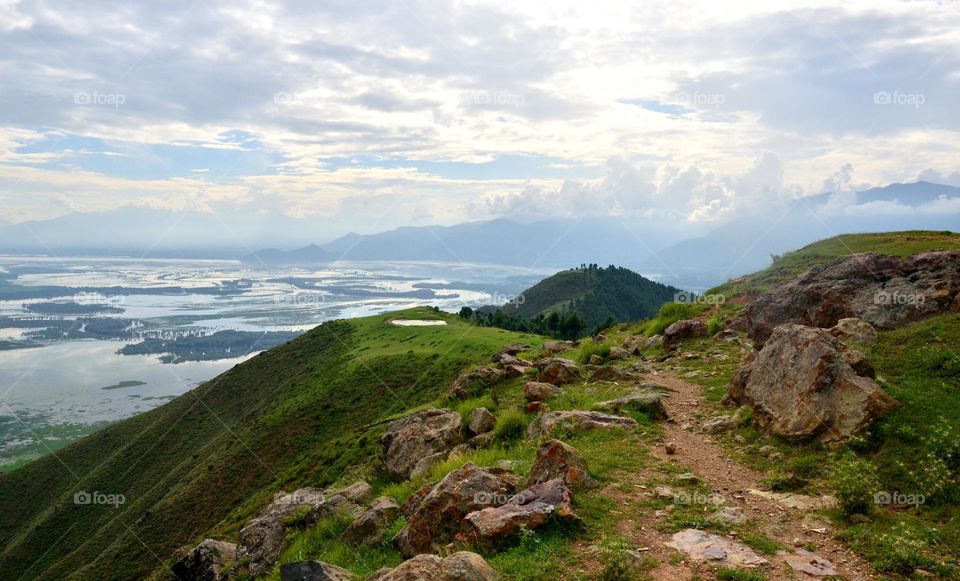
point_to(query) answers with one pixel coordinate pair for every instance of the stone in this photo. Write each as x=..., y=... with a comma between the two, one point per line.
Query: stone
x=460, y=566
x=529, y=509
x=475, y=443
x=536, y=407
x=262, y=540
x=855, y=330
x=206, y=561
x=688, y=477
x=554, y=347
x=540, y=391
x=482, y=376
x=816, y=523
x=438, y=517
x=884, y=291
x=513, y=349
x=653, y=342
x=607, y=373
x=726, y=335
x=596, y=359
x=368, y=528
x=719, y=424
x=797, y=501
x=576, y=421
x=358, y=492
x=803, y=561
x=618, y=353
x=801, y=387
x=314, y=571
x=481, y=421
x=729, y=515
x=409, y=440
x=648, y=402
x=705, y=547
x=558, y=460
x=670, y=448
x=683, y=329
x=664, y=492
x=558, y=371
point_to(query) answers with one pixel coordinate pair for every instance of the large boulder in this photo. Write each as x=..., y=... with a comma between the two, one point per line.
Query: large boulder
x=801, y=386
x=557, y=460
x=855, y=330
x=262, y=541
x=482, y=376
x=438, y=517
x=481, y=421
x=540, y=391
x=557, y=370
x=720, y=551
x=649, y=402
x=313, y=571
x=683, y=329
x=206, y=561
x=576, y=421
x=368, y=528
x=409, y=440
x=885, y=291
x=529, y=509
x=460, y=566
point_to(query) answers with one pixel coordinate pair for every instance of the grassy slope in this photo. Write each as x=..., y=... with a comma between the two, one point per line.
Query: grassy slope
x=298, y=415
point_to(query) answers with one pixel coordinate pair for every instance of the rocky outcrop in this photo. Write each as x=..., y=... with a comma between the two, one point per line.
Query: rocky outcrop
x=540, y=391
x=558, y=371
x=557, y=460
x=460, y=566
x=481, y=421
x=206, y=561
x=529, y=509
x=856, y=331
x=576, y=421
x=314, y=571
x=554, y=347
x=262, y=541
x=368, y=528
x=647, y=401
x=607, y=373
x=482, y=376
x=439, y=515
x=701, y=546
x=410, y=440
x=683, y=329
x=801, y=386
x=512, y=350
x=885, y=291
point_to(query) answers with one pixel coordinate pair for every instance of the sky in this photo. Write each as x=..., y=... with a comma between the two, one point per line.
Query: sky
x=376, y=114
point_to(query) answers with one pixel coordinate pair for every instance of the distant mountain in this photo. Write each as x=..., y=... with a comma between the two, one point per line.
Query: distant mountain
x=595, y=294
x=312, y=254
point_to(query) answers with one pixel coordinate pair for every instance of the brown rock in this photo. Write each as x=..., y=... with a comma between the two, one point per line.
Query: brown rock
x=529, y=509
x=540, y=391
x=577, y=421
x=465, y=383
x=314, y=571
x=554, y=347
x=701, y=546
x=608, y=373
x=558, y=371
x=557, y=460
x=618, y=353
x=809, y=563
x=409, y=440
x=653, y=342
x=262, y=540
x=482, y=421
x=536, y=407
x=513, y=349
x=369, y=527
x=206, y=561
x=460, y=566
x=855, y=330
x=648, y=402
x=683, y=329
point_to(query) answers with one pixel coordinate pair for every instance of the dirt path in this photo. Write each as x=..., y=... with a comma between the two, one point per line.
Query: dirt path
x=732, y=480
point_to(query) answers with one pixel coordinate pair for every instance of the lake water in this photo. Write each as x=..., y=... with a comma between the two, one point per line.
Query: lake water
x=60, y=390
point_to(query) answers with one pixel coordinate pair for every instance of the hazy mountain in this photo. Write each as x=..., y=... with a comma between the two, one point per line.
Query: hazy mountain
x=311, y=254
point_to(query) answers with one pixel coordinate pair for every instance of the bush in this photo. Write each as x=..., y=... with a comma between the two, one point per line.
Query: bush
x=511, y=426
x=855, y=482
x=588, y=348
x=669, y=314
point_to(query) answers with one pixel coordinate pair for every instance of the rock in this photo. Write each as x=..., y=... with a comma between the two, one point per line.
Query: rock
x=648, y=402
x=509, y=465
x=653, y=342
x=206, y=561
x=683, y=329
x=262, y=540
x=313, y=571
x=855, y=330
x=554, y=347
x=288, y=504
x=536, y=407
x=885, y=291
x=816, y=523
x=409, y=440
x=540, y=391
x=439, y=515
x=797, y=501
x=511, y=371
x=719, y=425
x=801, y=388
x=729, y=515
x=557, y=460
x=577, y=420
x=633, y=345
x=513, y=349
x=411, y=505
x=596, y=359
x=618, y=353
x=475, y=443
x=529, y=509
x=482, y=421
x=701, y=546
x=726, y=335
x=482, y=376
x=358, y=492
x=804, y=561
x=368, y=528
x=511, y=361
x=664, y=492
x=670, y=448
x=461, y=566
x=688, y=477
x=608, y=373
x=425, y=464
x=558, y=371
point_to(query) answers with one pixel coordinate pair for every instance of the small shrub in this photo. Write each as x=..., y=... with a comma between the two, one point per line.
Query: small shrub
x=669, y=314
x=739, y=575
x=855, y=482
x=588, y=348
x=511, y=427
x=617, y=565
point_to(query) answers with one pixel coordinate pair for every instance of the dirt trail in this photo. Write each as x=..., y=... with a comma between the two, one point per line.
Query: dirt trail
x=732, y=480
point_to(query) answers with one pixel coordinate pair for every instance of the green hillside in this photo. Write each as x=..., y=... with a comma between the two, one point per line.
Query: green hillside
x=298, y=415
x=595, y=294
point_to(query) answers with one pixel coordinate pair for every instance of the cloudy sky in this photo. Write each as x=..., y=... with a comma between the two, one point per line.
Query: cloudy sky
x=441, y=112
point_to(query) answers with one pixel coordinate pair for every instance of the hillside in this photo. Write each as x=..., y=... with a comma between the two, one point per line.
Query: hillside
x=595, y=294
x=300, y=414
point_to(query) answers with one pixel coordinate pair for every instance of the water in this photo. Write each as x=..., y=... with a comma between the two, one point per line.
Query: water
x=53, y=393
